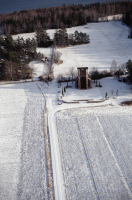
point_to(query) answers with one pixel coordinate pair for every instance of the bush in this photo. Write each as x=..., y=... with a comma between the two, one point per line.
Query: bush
x=41, y=78
x=126, y=103
x=95, y=74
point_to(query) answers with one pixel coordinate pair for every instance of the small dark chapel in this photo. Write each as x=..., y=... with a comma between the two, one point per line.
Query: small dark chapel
x=83, y=81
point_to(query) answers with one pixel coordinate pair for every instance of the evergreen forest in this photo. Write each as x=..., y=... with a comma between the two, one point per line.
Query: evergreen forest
x=61, y=16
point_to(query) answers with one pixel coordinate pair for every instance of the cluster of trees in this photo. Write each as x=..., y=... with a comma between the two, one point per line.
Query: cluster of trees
x=67, y=77
x=43, y=38
x=15, y=56
x=62, y=16
x=16, y=50
x=115, y=70
x=12, y=71
x=62, y=38
x=95, y=74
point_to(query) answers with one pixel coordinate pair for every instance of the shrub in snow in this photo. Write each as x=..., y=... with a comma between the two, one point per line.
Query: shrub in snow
x=62, y=92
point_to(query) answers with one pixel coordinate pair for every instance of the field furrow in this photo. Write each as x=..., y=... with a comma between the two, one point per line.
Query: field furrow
x=33, y=175
x=95, y=145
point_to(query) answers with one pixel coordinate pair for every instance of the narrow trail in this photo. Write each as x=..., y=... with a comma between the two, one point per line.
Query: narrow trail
x=47, y=145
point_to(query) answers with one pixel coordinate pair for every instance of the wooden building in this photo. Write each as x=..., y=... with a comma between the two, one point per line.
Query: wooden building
x=83, y=81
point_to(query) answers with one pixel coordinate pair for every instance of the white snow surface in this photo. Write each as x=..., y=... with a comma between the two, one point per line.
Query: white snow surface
x=32, y=35
x=23, y=170
x=108, y=41
x=95, y=156
x=12, y=104
x=95, y=145
x=111, y=17
x=98, y=93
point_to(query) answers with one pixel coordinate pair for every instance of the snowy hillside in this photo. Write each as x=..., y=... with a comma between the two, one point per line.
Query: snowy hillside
x=108, y=41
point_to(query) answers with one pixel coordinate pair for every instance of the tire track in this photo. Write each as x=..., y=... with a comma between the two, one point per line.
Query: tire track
x=48, y=148
x=89, y=162
x=118, y=155
x=114, y=156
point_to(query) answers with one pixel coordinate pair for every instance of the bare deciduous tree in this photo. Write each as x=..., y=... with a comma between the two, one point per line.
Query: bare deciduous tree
x=56, y=56
x=68, y=77
x=72, y=73
x=60, y=79
x=113, y=67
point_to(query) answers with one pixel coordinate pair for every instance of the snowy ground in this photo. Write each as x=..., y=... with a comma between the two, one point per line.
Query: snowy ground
x=108, y=41
x=32, y=35
x=23, y=172
x=12, y=105
x=95, y=145
x=111, y=17
x=98, y=93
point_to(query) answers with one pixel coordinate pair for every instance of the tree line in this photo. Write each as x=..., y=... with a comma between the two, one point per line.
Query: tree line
x=63, y=39
x=60, y=17
x=127, y=19
x=15, y=56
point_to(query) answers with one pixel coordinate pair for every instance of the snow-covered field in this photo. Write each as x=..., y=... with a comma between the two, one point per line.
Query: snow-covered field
x=23, y=170
x=108, y=41
x=12, y=105
x=95, y=142
x=95, y=145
